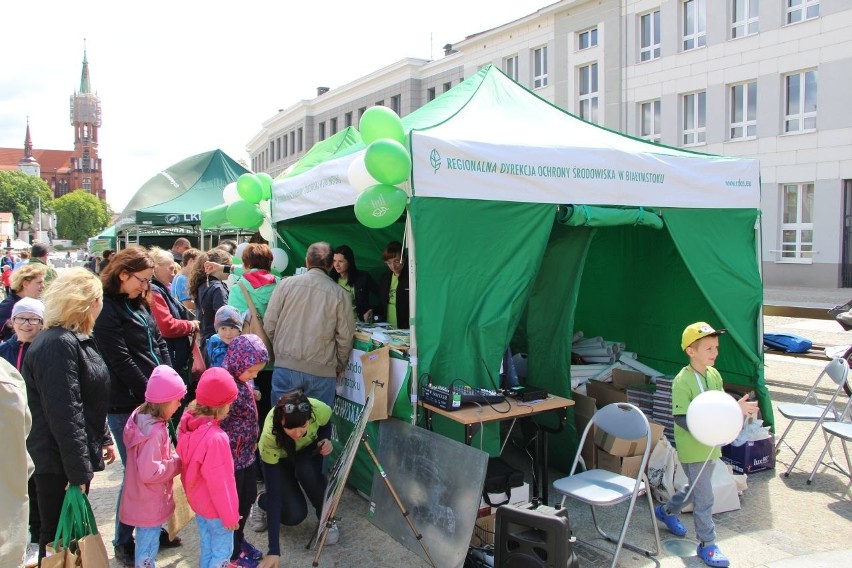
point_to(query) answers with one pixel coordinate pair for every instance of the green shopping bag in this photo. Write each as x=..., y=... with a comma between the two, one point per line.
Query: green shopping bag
x=77, y=541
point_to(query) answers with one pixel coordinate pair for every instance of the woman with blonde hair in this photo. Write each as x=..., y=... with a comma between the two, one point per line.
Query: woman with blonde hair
x=132, y=346
x=68, y=387
x=27, y=282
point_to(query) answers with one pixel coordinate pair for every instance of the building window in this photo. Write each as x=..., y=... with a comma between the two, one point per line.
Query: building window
x=430, y=94
x=361, y=112
x=87, y=184
x=800, y=10
x=649, y=120
x=588, y=82
x=321, y=131
x=694, y=29
x=540, y=67
x=797, y=224
x=649, y=36
x=301, y=139
x=448, y=86
x=744, y=110
x=743, y=18
x=587, y=39
x=284, y=143
x=380, y=103
x=278, y=150
x=292, y=143
x=510, y=67
x=694, y=118
x=347, y=120
x=332, y=126
x=396, y=104
x=800, y=98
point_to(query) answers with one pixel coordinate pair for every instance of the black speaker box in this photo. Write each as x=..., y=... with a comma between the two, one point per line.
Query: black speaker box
x=529, y=538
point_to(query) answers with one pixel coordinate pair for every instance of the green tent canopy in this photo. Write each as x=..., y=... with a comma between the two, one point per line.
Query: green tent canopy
x=492, y=265
x=177, y=195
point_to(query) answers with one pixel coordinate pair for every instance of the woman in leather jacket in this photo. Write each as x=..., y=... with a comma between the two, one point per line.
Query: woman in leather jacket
x=359, y=283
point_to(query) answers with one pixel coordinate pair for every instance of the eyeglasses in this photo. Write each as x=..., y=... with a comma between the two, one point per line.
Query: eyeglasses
x=144, y=281
x=29, y=321
x=393, y=262
x=289, y=407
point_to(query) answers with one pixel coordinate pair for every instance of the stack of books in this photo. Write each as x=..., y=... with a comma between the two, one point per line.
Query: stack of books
x=663, y=406
x=642, y=398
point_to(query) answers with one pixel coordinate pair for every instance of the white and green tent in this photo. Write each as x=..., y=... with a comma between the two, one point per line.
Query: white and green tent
x=526, y=224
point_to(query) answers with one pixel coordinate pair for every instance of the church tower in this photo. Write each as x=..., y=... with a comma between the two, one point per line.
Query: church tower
x=86, y=119
x=28, y=163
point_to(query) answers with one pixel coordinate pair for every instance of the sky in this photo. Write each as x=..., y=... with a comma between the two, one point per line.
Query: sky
x=183, y=77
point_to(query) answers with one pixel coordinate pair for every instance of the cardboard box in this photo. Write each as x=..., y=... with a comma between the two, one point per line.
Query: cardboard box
x=622, y=458
x=483, y=530
x=584, y=409
x=621, y=379
x=519, y=496
x=751, y=457
x=607, y=393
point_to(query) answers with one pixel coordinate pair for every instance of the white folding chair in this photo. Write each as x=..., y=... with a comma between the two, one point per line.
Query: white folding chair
x=811, y=410
x=842, y=429
x=601, y=488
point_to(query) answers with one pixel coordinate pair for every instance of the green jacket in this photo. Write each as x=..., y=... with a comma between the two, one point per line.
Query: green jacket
x=269, y=450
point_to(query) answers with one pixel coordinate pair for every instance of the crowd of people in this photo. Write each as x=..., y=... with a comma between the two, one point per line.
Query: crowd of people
x=105, y=363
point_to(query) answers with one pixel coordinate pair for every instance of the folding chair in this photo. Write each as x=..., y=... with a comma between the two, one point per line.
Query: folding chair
x=601, y=488
x=842, y=429
x=810, y=409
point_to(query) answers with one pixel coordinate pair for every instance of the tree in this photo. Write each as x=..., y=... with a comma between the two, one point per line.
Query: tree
x=80, y=215
x=20, y=193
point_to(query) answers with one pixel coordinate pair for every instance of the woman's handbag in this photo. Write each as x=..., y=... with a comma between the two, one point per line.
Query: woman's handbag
x=77, y=542
x=198, y=365
x=254, y=324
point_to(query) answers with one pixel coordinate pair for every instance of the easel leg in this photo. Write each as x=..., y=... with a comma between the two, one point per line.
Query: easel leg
x=396, y=499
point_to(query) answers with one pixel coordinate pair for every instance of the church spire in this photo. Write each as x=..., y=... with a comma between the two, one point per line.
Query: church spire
x=85, y=87
x=28, y=142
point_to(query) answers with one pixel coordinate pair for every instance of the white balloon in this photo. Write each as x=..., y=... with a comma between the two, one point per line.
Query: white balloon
x=231, y=280
x=714, y=418
x=279, y=259
x=229, y=194
x=266, y=231
x=240, y=248
x=359, y=178
x=266, y=208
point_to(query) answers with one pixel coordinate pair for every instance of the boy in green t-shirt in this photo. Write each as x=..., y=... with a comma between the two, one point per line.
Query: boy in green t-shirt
x=701, y=344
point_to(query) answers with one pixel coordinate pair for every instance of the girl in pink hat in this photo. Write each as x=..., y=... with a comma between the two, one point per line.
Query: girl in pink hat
x=152, y=463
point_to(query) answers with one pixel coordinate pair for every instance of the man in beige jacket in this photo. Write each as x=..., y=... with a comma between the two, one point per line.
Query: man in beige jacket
x=15, y=467
x=310, y=322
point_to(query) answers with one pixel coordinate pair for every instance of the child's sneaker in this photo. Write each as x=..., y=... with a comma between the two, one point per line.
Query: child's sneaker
x=242, y=562
x=671, y=521
x=712, y=556
x=250, y=551
x=31, y=557
x=257, y=516
x=333, y=534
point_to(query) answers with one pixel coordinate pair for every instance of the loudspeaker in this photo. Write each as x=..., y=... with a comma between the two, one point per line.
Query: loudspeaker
x=533, y=538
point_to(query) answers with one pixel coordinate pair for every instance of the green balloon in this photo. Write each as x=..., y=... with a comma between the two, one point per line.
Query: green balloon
x=388, y=161
x=266, y=185
x=244, y=215
x=380, y=205
x=381, y=122
x=235, y=260
x=250, y=188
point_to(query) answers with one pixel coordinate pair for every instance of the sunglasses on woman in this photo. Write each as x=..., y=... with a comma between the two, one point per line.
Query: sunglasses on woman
x=289, y=407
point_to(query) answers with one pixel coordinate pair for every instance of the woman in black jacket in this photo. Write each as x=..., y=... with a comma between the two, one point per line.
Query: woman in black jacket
x=357, y=282
x=68, y=392
x=132, y=346
x=208, y=291
x=393, y=287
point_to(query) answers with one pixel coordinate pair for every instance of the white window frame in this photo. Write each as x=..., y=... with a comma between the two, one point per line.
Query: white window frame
x=591, y=35
x=588, y=88
x=697, y=37
x=694, y=105
x=746, y=127
x=801, y=10
x=796, y=120
x=510, y=67
x=749, y=23
x=651, y=50
x=540, y=67
x=797, y=249
x=650, y=129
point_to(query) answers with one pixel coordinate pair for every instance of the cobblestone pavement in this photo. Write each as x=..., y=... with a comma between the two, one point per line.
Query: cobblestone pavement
x=783, y=521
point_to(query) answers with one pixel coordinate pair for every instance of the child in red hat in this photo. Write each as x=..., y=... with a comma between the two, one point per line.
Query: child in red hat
x=208, y=466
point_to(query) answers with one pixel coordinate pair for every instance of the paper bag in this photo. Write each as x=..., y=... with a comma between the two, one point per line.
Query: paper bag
x=376, y=372
x=61, y=559
x=92, y=552
x=183, y=513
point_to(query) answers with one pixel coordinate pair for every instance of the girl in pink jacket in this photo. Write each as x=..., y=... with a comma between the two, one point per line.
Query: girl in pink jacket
x=152, y=463
x=208, y=466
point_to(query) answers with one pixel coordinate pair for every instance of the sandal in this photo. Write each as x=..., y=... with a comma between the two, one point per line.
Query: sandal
x=712, y=556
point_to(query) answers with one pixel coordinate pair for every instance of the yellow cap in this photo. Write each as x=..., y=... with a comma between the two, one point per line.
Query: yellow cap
x=696, y=331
